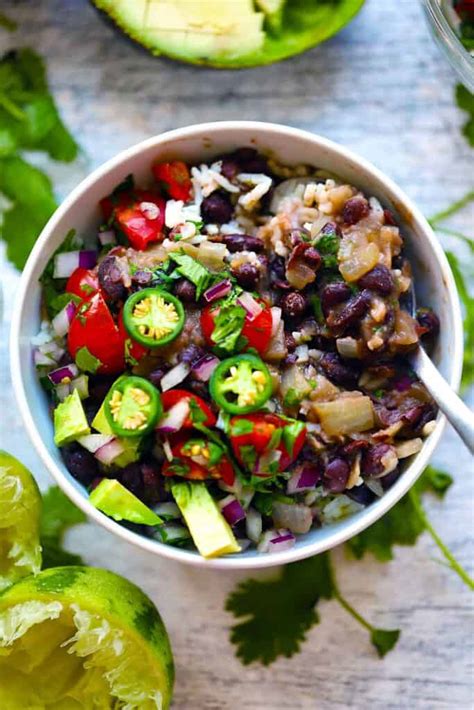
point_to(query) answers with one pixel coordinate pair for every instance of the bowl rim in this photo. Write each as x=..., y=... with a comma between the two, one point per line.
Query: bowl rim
x=359, y=521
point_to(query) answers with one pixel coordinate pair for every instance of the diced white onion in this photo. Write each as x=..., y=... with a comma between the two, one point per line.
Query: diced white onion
x=175, y=376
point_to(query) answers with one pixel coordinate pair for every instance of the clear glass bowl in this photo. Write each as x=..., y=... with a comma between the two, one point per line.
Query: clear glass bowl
x=442, y=20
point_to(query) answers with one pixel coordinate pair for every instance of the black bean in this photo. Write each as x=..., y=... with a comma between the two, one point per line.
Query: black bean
x=99, y=385
x=336, y=475
x=185, y=290
x=333, y=294
x=380, y=279
x=351, y=313
x=243, y=242
x=339, y=371
x=199, y=388
x=389, y=218
x=247, y=276
x=142, y=278
x=361, y=494
x=230, y=168
x=217, y=209
x=294, y=304
x=290, y=342
x=110, y=279
x=249, y=160
x=371, y=463
x=80, y=463
x=331, y=228
x=153, y=482
x=131, y=477
x=312, y=257
x=355, y=209
x=428, y=321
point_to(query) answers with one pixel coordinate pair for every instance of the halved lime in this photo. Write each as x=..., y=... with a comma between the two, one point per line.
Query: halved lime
x=20, y=509
x=119, y=503
x=81, y=637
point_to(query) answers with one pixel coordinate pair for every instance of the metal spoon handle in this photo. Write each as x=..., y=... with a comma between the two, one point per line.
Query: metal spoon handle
x=452, y=406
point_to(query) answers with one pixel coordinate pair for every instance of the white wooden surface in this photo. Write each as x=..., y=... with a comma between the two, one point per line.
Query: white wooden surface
x=381, y=88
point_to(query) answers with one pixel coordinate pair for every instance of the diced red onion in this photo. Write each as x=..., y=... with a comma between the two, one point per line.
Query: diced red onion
x=303, y=480
x=235, y=488
x=276, y=318
x=253, y=525
x=266, y=460
x=87, y=259
x=251, y=306
x=51, y=350
x=150, y=210
x=284, y=540
x=167, y=449
x=81, y=384
x=174, y=418
x=109, y=452
x=43, y=359
x=218, y=291
x=62, y=320
x=375, y=486
x=94, y=442
x=205, y=366
x=58, y=375
x=63, y=390
x=295, y=517
x=175, y=376
x=302, y=353
x=65, y=263
x=232, y=510
x=107, y=237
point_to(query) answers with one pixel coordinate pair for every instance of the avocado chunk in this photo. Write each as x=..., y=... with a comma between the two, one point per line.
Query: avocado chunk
x=210, y=531
x=131, y=446
x=70, y=421
x=119, y=503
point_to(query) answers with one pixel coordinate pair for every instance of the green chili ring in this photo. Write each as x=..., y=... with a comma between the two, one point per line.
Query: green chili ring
x=241, y=384
x=132, y=406
x=153, y=317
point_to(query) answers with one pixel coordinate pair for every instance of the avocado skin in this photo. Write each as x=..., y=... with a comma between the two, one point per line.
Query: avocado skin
x=246, y=62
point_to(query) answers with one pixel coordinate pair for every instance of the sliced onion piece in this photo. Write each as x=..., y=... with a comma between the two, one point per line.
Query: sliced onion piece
x=283, y=540
x=218, y=291
x=276, y=318
x=175, y=376
x=251, y=306
x=63, y=390
x=253, y=525
x=68, y=371
x=43, y=359
x=232, y=510
x=167, y=449
x=68, y=261
x=243, y=543
x=107, y=237
x=63, y=319
x=81, y=384
x=295, y=517
x=174, y=418
x=109, y=452
x=265, y=461
x=305, y=479
x=94, y=442
x=205, y=366
x=167, y=511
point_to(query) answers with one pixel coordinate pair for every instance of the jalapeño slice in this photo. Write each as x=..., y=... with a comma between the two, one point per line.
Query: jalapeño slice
x=241, y=384
x=153, y=317
x=132, y=406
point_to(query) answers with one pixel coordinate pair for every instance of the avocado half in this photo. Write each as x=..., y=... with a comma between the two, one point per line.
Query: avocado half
x=229, y=34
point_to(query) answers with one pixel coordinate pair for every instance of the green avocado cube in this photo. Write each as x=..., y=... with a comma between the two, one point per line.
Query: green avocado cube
x=209, y=529
x=70, y=421
x=119, y=503
x=131, y=445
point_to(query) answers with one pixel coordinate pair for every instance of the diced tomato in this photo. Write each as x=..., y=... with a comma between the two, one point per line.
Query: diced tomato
x=82, y=282
x=93, y=327
x=175, y=178
x=194, y=470
x=258, y=331
x=108, y=204
x=172, y=397
x=261, y=429
x=142, y=222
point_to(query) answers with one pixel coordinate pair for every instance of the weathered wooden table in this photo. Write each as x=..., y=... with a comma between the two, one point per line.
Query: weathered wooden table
x=381, y=88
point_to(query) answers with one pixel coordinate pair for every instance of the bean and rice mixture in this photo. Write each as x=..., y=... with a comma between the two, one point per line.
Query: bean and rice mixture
x=241, y=324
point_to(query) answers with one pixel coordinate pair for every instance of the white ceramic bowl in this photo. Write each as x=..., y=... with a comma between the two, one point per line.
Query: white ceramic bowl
x=434, y=286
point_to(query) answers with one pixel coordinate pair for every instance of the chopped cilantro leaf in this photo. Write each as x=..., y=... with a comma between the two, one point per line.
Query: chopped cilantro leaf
x=290, y=433
x=228, y=324
x=328, y=247
x=241, y=426
x=86, y=361
x=193, y=271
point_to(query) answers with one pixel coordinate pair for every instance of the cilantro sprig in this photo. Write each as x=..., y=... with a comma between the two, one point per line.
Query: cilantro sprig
x=274, y=615
x=29, y=120
x=57, y=516
x=465, y=101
